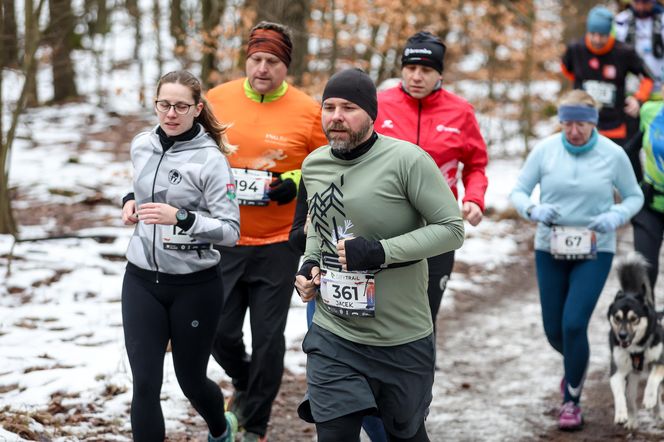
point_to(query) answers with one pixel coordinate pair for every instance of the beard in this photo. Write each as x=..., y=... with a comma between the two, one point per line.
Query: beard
x=353, y=140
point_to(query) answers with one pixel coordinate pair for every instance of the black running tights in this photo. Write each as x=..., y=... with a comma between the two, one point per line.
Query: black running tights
x=187, y=315
x=347, y=428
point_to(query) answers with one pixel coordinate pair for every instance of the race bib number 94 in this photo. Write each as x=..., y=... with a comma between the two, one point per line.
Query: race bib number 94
x=348, y=293
x=573, y=243
x=251, y=186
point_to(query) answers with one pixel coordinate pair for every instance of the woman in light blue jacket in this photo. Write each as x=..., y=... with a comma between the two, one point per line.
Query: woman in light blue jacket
x=578, y=171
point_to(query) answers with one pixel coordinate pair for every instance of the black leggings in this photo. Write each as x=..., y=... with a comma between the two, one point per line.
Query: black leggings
x=440, y=269
x=153, y=313
x=648, y=233
x=347, y=428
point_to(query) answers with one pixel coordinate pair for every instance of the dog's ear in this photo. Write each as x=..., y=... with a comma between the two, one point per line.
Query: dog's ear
x=620, y=294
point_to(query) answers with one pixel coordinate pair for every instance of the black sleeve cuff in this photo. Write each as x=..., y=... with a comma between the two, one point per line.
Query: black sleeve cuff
x=128, y=197
x=363, y=254
x=305, y=270
x=187, y=223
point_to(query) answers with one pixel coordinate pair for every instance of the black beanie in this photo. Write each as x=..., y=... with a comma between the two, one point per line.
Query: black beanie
x=426, y=49
x=355, y=86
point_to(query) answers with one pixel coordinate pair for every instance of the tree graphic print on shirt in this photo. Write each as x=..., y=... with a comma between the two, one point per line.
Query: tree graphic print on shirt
x=328, y=219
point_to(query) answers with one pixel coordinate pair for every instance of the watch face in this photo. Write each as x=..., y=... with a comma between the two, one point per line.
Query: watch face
x=181, y=215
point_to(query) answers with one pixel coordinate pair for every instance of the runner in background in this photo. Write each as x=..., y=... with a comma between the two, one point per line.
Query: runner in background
x=274, y=126
x=183, y=201
x=578, y=171
x=420, y=111
x=599, y=65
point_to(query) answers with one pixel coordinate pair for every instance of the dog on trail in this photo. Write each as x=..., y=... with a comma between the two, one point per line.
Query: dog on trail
x=636, y=338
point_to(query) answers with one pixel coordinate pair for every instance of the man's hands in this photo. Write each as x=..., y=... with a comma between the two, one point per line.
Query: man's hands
x=471, y=212
x=632, y=106
x=307, y=285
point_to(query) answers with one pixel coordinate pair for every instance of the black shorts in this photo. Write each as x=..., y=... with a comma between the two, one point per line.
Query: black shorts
x=344, y=377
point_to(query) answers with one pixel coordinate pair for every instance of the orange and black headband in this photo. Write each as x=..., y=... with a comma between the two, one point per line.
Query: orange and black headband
x=270, y=41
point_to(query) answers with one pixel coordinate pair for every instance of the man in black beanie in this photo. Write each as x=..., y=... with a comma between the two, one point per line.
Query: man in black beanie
x=419, y=110
x=378, y=207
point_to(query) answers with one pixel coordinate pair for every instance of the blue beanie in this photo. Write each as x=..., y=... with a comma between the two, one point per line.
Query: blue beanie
x=600, y=20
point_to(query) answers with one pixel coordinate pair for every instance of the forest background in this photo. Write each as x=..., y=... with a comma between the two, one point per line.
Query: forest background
x=77, y=81
x=504, y=46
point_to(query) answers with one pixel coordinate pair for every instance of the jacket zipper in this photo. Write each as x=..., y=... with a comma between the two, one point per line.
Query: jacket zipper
x=154, y=227
x=419, y=114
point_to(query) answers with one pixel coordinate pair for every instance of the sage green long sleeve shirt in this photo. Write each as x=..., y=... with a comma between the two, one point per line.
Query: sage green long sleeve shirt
x=393, y=193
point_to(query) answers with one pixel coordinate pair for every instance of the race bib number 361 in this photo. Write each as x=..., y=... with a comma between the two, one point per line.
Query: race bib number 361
x=348, y=293
x=573, y=243
x=251, y=186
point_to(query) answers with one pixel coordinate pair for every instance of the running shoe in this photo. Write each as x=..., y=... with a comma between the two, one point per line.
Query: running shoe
x=253, y=437
x=236, y=404
x=570, y=417
x=231, y=429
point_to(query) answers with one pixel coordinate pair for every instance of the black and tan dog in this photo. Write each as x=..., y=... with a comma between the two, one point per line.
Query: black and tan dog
x=636, y=340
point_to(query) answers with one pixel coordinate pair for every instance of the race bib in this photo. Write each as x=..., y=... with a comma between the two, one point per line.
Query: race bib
x=251, y=186
x=603, y=92
x=573, y=243
x=348, y=293
x=174, y=238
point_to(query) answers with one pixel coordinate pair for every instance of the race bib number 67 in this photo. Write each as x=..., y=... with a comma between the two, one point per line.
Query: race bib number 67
x=573, y=243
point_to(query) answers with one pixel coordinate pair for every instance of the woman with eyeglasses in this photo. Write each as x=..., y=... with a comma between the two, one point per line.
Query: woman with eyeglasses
x=578, y=172
x=183, y=202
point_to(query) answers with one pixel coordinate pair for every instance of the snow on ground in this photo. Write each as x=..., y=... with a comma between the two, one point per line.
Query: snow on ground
x=60, y=316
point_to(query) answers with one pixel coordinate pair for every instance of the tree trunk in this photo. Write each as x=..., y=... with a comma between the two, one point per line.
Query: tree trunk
x=212, y=12
x=31, y=43
x=61, y=33
x=526, y=79
x=574, y=14
x=7, y=222
x=135, y=13
x=8, y=36
x=177, y=26
x=156, y=22
x=335, y=42
x=294, y=14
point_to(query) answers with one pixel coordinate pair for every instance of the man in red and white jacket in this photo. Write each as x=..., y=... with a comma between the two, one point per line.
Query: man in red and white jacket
x=419, y=110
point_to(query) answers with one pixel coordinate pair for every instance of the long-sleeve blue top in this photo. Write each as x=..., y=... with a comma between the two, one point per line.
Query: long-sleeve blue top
x=581, y=186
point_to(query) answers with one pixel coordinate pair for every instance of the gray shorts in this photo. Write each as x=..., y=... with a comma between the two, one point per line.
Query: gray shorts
x=344, y=377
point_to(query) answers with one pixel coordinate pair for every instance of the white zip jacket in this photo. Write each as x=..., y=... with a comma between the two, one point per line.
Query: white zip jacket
x=193, y=175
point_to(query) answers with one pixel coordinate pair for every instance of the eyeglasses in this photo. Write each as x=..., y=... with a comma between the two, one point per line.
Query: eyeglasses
x=164, y=106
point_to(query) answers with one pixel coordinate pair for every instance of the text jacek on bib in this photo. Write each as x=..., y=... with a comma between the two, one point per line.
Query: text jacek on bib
x=348, y=293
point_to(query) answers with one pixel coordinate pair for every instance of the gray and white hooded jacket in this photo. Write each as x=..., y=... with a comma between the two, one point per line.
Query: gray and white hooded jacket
x=193, y=175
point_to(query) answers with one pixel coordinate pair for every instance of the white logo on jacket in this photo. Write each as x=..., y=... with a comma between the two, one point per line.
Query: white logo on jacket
x=388, y=124
x=443, y=128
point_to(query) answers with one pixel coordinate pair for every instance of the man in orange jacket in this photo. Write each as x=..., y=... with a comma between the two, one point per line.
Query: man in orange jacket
x=274, y=126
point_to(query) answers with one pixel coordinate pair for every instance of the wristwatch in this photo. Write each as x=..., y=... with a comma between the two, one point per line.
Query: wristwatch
x=181, y=215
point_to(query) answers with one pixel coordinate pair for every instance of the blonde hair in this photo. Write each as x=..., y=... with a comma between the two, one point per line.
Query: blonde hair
x=206, y=118
x=577, y=97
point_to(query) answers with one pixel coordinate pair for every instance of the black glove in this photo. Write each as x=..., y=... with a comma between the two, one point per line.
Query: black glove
x=282, y=191
x=305, y=270
x=364, y=254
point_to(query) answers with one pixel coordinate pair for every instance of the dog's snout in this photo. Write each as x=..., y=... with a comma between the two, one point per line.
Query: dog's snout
x=622, y=335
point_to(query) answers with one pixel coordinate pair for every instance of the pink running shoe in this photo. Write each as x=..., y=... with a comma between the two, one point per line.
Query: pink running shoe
x=570, y=417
